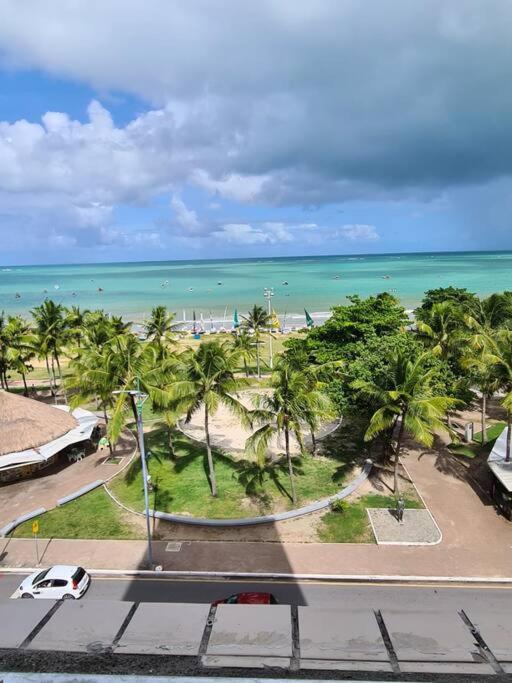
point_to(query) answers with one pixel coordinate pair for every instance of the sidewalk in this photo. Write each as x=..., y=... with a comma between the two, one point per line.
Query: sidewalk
x=476, y=542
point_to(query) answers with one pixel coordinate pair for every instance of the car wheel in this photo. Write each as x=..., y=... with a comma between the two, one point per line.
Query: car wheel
x=27, y=596
x=68, y=596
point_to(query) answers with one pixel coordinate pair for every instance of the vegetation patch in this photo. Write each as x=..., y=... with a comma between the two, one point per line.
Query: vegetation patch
x=493, y=431
x=93, y=515
x=351, y=524
x=180, y=480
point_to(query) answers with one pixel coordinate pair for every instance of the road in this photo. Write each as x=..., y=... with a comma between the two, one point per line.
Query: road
x=325, y=594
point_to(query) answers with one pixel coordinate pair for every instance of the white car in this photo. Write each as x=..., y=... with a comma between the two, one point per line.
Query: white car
x=61, y=582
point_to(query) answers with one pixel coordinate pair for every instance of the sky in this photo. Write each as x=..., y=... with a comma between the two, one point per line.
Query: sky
x=164, y=129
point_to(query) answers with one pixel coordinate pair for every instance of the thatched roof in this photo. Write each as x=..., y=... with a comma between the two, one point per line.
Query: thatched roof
x=25, y=423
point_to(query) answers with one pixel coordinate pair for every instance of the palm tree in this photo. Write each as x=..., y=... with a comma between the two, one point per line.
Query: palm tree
x=483, y=316
x=4, y=347
x=499, y=353
x=75, y=321
x=256, y=320
x=205, y=378
x=284, y=411
x=245, y=347
x=482, y=367
x=52, y=333
x=21, y=347
x=405, y=396
x=439, y=330
x=159, y=328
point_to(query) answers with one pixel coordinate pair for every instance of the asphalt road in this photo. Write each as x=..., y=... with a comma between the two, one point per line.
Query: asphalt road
x=325, y=594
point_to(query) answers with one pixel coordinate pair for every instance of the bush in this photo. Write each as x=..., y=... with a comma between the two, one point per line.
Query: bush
x=338, y=506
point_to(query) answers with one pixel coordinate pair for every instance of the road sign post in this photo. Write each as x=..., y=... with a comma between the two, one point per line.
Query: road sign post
x=35, y=531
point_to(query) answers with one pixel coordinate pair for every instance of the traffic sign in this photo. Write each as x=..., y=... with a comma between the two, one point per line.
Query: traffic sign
x=35, y=527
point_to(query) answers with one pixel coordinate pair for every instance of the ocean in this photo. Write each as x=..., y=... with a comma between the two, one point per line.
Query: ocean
x=216, y=287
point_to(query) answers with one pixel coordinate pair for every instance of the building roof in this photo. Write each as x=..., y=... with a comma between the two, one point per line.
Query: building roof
x=26, y=424
x=502, y=470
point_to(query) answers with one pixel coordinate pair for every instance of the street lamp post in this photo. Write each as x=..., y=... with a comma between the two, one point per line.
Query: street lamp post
x=268, y=293
x=138, y=399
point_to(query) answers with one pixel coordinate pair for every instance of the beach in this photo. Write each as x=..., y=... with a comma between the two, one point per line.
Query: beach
x=215, y=288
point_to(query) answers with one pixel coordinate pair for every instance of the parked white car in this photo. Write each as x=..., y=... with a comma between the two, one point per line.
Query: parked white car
x=61, y=582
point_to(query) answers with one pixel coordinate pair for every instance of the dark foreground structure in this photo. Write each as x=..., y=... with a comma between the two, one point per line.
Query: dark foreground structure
x=252, y=641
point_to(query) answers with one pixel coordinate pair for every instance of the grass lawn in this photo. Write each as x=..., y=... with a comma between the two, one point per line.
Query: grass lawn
x=94, y=515
x=493, y=431
x=353, y=525
x=181, y=484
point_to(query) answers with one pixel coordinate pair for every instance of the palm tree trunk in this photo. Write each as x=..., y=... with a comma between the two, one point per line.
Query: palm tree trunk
x=290, y=466
x=213, y=482
x=484, y=412
x=246, y=369
x=509, y=434
x=25, y=390
x=6, y=383
x=397, y=454
x=52, y=390
x=258, y=355
x=60, y=376
x=313, y=441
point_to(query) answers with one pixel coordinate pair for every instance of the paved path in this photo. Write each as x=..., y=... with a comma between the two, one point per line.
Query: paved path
x=58, y=481
x=476, y=542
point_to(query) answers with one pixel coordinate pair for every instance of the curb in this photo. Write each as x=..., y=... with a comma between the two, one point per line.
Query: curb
x=269, y=519
x=368, y=578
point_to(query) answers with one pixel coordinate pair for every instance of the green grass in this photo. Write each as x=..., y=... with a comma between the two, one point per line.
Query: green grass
x=465, y=450
x=181, y=484
x=352, y=525
x=94, y=515
x=493, y=431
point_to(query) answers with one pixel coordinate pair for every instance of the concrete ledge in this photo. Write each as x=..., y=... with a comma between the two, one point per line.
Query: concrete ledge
x=269, y=519
x=80, y=492
x=8, y=528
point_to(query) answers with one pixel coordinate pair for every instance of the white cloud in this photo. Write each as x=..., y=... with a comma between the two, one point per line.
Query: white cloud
x=187, y=218
x=244, y=233
x=359, y=233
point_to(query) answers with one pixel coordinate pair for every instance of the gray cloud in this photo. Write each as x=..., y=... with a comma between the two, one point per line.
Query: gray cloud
x=290, y=102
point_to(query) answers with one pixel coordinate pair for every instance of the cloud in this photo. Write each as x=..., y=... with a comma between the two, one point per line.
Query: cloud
x=243, y=233
x=187, y=218
x=294, y=102
x=358, y=233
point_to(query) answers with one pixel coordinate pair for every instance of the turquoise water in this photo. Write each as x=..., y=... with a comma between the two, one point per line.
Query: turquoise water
x=132, y=289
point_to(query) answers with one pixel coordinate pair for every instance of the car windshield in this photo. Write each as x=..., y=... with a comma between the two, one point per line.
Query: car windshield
x=40, y=576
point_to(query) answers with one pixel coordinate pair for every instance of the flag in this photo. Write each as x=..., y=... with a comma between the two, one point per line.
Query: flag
x=236, y=324
x=309, y=320
x=274, y=321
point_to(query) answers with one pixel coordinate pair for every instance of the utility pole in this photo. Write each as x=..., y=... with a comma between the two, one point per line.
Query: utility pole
x=268, y=294
x=138, y=399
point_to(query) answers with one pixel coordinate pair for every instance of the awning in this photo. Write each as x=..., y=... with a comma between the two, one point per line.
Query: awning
x=87, y=421
x=502, y=470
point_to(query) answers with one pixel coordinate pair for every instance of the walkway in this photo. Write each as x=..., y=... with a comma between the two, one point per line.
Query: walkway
x=476, y=542
x=60, y=480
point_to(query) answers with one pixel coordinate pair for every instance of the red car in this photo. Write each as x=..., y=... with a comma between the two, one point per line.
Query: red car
x=248, y=599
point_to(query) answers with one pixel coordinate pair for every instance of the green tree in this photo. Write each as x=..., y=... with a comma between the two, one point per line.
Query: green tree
x=21, y=345
x=499, y=357
x=440, y=329
x=52, y=334
x=257, y=320
x=285, y=410
x=245, y=347
x=458, y=297
x=75, y=322
x=205, y=378
x=159, y=329
x=406, y=397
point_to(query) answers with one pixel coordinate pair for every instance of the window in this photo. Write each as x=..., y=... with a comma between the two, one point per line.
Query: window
x=40, y=577
x=78, y=575
x=59, y=583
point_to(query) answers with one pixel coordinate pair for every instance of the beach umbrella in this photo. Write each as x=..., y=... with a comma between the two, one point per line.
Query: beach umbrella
x=236, y=324
x=309, y=320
